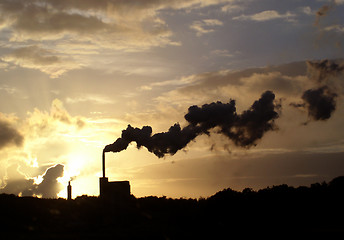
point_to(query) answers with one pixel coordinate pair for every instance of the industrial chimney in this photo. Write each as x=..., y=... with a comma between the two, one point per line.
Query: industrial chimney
x=103, y=163
x=69, y=191
x=103, y=181
x=115, y=191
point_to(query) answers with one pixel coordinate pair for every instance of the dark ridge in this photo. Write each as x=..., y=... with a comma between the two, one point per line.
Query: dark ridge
x=277, y=211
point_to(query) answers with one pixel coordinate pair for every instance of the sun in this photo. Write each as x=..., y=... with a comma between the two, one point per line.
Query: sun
x=75, y=166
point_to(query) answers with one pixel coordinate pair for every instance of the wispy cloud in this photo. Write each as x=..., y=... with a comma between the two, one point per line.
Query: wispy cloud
x=265, y=16
x=8, y=89
x=97, y=99
x=223, y=53
x=65, y=28
x=230, y=8
x=205, y=26
x=335, y=28
x=44, y=60
x=184, y=81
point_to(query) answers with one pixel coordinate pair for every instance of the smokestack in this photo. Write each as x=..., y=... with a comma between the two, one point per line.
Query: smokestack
x=103, y=181
x=69, y=191
x=103, y=163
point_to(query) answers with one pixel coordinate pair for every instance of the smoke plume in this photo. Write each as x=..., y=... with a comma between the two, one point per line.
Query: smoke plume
x=322, y=71
x=320, y=102
x=243, y=129
x=322, y=12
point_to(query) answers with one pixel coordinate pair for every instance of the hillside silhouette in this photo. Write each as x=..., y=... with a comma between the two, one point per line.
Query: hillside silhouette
x=276, y=211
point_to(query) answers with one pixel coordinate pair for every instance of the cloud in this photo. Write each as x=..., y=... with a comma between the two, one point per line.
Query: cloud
x=84, y=28
x=8, y=89
x=38, y=58
x=284, y=85
x=306, y=10
x=34, y=55
x=339, y=2
x=175, y=82
x=54, y=20
x=204, y=26
x=312, y=86
x=287, y=81
x=9, y=134
x=42, y=123
x=230, y=8
x=265, y=16
x=119, y=24
x=335, y=28
x=97, y=99
x=52, y=136
x=223, y=53
x=48, y=188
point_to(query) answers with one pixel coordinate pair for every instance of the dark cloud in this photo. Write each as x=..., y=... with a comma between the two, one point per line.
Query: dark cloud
x=48, y=188
x=35, y=55
x=39, y=58
x=33, y=17
x=243, y=129
x=9, y=135
x=24, y=187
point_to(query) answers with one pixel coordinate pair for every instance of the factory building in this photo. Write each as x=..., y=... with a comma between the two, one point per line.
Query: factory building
x=116, y=190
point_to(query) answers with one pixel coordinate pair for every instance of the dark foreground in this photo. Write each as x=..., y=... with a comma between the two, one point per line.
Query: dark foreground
x=279, y=212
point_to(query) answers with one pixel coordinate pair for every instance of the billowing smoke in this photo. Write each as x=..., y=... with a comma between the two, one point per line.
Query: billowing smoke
x=322, y=71
x=320, y=102
x=323, y=12
x=243, y=129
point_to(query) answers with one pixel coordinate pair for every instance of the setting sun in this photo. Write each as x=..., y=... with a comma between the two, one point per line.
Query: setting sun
x=187, y=97
x=171, y=119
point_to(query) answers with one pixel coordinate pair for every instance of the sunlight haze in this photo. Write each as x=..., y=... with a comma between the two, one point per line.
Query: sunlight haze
x=74, y=74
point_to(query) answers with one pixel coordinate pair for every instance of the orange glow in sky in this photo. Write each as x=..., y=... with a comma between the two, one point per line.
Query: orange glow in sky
x=75, y=74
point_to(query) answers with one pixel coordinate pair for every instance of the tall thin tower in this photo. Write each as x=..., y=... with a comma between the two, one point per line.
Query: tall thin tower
x=69, y=191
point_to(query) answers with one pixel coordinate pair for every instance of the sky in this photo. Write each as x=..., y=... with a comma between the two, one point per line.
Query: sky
x=227, y=93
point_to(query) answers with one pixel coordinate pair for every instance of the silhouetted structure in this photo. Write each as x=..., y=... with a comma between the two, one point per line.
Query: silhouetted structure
x=277, y=212
x=117, y=190
x=69, y=191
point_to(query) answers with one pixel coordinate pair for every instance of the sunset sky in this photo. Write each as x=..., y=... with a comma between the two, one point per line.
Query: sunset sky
x=75, y=73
